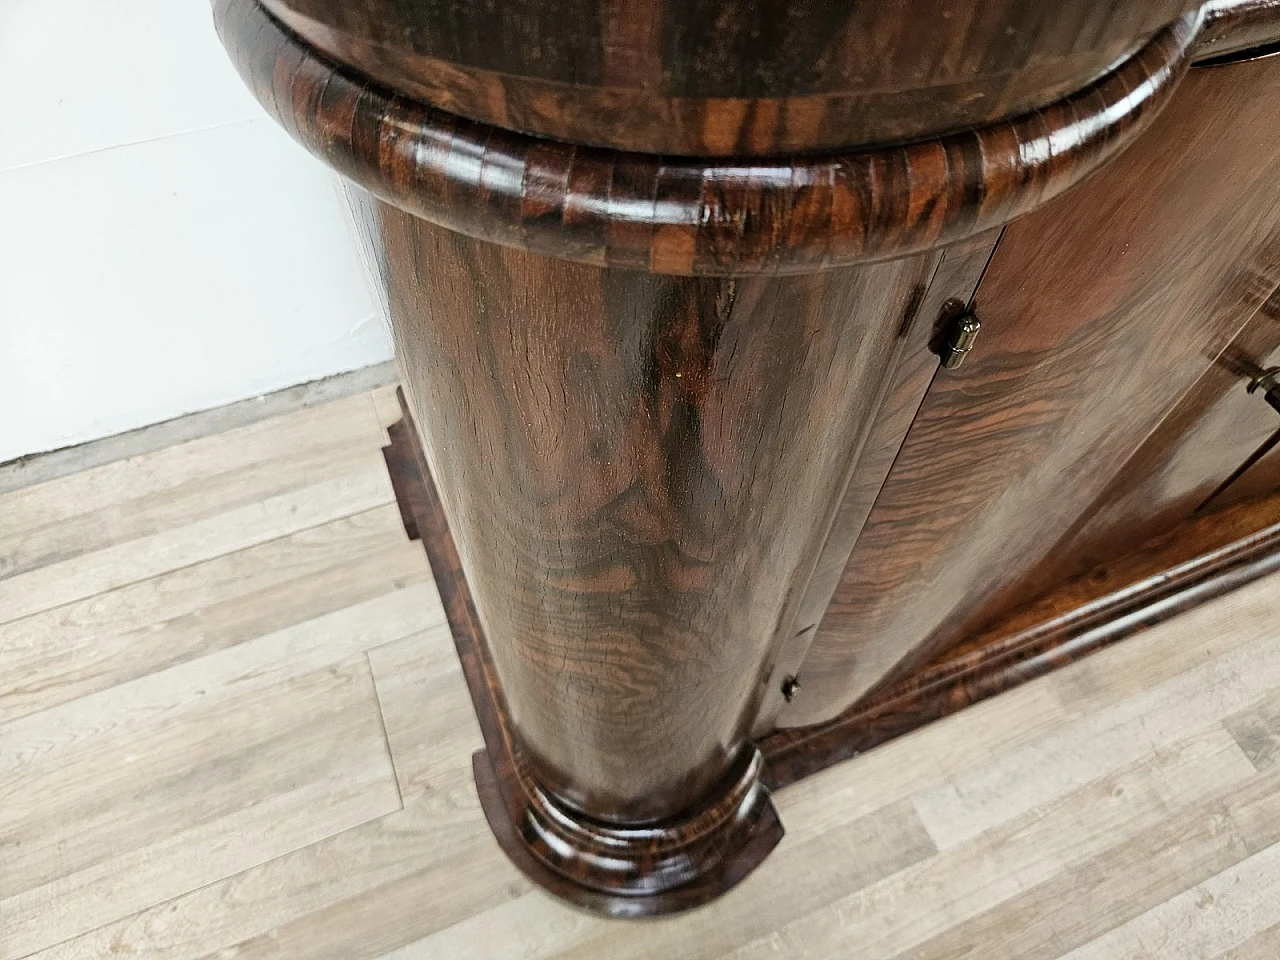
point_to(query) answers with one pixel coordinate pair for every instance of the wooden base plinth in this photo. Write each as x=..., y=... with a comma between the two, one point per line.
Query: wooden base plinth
x=1189, y=564
x=663, y=868
x=657, y=868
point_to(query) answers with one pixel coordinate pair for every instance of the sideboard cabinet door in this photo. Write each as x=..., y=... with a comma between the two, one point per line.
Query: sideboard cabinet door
x=1105, y=397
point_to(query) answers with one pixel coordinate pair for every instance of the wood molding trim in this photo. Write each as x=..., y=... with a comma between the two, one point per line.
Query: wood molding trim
x=679, y=79
x=690, y=217
x=686, y=79
x=646, y=382
x=1237, y=28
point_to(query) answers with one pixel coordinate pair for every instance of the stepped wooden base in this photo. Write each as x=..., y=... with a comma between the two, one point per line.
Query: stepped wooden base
x=657, y=868
x=1193, y=562
x=663, y=868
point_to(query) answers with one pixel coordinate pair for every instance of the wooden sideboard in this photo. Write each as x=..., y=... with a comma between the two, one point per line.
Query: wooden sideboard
x=780, y=377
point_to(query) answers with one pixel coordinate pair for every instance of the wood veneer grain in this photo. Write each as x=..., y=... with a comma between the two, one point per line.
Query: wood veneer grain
x=728, y=77
x=687, y=216
x=665, y=866
x=1105, y=316
x=1194, y=561
x=646, y=382
x=1183, y=568
x=950, y=288
x=640, y=472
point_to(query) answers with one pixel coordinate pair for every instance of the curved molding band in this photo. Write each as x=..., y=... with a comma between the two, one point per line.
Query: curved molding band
x=686, y=216
x=723, y=78
x=643, y=869
x=1235, y=26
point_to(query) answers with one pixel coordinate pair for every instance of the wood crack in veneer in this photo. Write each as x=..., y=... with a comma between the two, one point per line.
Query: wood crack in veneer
x=672, y=416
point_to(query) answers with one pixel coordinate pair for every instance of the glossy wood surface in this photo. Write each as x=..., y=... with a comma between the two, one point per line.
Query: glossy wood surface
x=726, y=77
x=952, y=285
x=1258, y=476
x=1238, y=28
x=1183, y=566
x=1101, y=313
x=305, y=689
x=689, y=217
x=665, y=395
x=1194, y=459
x=640, y=472
x=625, y=872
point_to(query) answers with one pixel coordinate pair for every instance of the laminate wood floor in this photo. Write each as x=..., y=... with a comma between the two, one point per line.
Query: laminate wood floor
x=232, y=726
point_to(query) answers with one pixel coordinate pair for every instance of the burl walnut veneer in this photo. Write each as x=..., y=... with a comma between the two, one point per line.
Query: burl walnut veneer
x=670, y=285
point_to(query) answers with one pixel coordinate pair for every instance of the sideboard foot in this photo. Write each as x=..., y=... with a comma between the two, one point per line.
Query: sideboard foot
x=657, y=870
x=621, y=870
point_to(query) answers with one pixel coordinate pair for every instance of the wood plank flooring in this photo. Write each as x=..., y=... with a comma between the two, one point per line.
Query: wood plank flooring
x=232, y=726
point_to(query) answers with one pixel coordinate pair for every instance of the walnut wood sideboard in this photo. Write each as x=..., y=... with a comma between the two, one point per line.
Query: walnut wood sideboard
x=779, y=377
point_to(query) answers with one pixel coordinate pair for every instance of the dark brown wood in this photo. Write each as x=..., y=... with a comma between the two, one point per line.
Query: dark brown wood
x=640, y=472
x=1257, y=476
x=1238, y=29
x=689, y=217
x=1194, y=561
x=625, y=872
x=1197, y=560
x=1253, y=416
x=1102, y=313
x=668, y=369
x=643, y=471
x=726, y=77
x=952, y=285
x=1192, y=457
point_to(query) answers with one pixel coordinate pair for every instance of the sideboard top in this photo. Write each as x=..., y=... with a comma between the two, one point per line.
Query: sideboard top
x=688, y=216
x=731, y=77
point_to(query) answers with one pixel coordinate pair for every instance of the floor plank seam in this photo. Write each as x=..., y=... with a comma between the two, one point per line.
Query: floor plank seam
x=382, y=722
x=1132, y=796
x=182, y=894
x=195, y=563
x=338, y=658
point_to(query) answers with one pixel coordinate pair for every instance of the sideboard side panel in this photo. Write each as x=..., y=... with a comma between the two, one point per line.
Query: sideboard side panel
x=1101, y=312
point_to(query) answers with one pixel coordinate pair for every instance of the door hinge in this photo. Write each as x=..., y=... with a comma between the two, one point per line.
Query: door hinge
x=959, y=340
x=1268, y=381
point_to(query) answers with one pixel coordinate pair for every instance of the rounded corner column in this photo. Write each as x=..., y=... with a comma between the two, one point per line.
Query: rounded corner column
x=642, y=384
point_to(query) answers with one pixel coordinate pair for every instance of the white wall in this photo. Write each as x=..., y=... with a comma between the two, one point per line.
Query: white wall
x=164, y=247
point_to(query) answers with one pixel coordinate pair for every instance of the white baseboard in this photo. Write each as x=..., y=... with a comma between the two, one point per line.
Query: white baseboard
x=38, y=468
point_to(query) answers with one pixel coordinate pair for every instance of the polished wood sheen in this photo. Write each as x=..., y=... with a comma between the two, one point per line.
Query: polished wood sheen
x=270, y=755
x=951, y=287
x=1102, y=313
x=1196, y=457
x=1182, y=567
x=1191, y=562
x=1239, y=30
x=668, y=286
x=726, y=77
x=689, y=217
x=624, y=872
x=641, y=471
x=638, y=469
